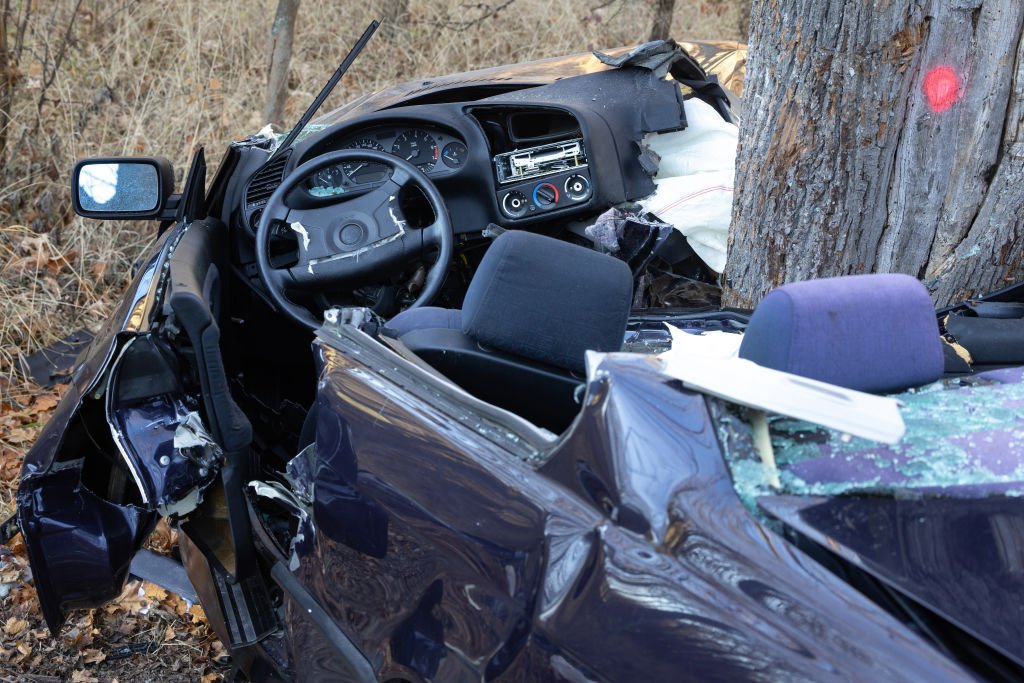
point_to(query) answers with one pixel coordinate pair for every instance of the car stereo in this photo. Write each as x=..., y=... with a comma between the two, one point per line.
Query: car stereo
x=536, y=162
x=562, y=165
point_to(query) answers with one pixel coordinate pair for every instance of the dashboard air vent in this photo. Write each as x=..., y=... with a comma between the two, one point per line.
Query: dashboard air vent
x=266, y=180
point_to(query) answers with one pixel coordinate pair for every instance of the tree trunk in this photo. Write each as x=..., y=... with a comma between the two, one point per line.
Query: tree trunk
x=882, y=137
x=662, y=26
x=279, y=56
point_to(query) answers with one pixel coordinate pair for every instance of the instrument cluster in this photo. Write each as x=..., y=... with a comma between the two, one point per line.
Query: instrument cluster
x=433, y=151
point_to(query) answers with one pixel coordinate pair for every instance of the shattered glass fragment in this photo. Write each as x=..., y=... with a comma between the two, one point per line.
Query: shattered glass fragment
x=965, y=438
x=301, y=473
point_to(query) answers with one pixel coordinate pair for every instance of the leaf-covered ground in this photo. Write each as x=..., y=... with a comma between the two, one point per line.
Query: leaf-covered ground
x=147, y=634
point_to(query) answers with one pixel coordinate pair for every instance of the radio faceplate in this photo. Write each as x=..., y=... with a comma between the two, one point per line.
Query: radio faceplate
x=538, y=162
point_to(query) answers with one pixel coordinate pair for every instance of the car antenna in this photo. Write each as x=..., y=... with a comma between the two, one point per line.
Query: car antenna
x=345, y=64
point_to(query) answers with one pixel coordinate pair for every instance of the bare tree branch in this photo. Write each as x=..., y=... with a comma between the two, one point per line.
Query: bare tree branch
x=662, y=26
x=489, y=12
x=50, y=69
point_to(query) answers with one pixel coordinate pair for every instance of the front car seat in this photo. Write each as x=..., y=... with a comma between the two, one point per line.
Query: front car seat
x=875, y=333
x=534, y=307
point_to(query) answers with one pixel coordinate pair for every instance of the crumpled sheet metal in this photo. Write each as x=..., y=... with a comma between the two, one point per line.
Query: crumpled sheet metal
x=646, y=453
x=191, y=433
x=726, y=59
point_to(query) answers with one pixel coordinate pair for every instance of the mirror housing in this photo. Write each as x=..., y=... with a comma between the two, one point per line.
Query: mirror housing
x=126, y=188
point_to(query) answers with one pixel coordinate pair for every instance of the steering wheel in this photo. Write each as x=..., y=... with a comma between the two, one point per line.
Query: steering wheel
x=353, y=241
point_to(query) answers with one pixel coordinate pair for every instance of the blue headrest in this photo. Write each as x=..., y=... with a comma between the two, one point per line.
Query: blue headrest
x=873, y=333
x=547, y=300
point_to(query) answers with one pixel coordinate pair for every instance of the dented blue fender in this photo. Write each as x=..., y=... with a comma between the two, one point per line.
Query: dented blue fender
x=446, y=547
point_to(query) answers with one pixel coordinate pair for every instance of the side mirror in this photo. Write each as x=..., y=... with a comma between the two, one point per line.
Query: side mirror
x=125, y=188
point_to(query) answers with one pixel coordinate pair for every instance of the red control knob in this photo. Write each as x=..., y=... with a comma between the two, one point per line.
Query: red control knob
x=545, y=194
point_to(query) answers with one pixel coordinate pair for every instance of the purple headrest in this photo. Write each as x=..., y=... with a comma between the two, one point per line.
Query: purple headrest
x=873, y=333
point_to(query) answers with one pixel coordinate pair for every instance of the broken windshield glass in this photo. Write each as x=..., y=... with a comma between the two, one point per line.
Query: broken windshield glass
x=965, y=437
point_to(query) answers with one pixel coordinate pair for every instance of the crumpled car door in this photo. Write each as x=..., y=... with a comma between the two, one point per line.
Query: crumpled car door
x=128, y=443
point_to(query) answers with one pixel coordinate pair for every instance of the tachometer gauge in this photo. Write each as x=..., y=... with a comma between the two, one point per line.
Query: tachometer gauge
x=363, y=171
x=326, y=182
x=416, y=147
x=454, y=154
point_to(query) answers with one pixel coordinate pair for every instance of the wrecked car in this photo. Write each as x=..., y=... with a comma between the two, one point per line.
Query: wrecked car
x=430, y=396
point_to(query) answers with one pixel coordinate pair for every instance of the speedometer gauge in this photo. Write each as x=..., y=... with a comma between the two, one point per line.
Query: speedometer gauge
x=416, y=147
x=326, y=182
x=363, y=171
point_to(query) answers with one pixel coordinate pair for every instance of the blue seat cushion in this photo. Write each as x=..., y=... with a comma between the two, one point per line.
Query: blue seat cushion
x=425, y=318
x=547, y=300
x=873, y=333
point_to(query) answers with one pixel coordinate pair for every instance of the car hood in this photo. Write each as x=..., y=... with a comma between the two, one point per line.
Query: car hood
x=936, y=515
x=961, y=559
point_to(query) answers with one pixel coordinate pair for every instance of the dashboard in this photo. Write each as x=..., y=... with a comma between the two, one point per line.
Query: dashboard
x=535, y=157
x=514, y=166
x=515, y=155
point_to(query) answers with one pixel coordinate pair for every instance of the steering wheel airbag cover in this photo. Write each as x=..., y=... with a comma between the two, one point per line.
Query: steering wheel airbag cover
x=357, y=238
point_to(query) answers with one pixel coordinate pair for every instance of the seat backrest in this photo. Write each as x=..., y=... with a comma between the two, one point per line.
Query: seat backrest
x=548, y=300
x=195, y=295
x=874, y=333
x=535, y=306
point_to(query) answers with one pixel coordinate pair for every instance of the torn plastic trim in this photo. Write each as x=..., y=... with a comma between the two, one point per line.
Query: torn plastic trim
x=192, y=433
x=119, y=439
x=298, y=500
x=166, y=447
x=164, y=572
x=663, y=57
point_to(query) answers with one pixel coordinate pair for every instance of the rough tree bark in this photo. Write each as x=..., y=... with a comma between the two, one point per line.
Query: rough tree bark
x=662, y=25
x=882, y=137
x=279, y=56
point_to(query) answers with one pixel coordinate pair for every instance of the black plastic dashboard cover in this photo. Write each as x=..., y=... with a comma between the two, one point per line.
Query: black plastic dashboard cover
x=616, y=109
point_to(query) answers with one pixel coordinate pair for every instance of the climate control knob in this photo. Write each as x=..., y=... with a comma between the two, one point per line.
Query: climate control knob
x=545, y=194
x=577, y=187
x=515, y=204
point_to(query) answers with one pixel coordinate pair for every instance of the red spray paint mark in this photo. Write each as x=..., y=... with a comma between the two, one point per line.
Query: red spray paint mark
x=942, y=88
